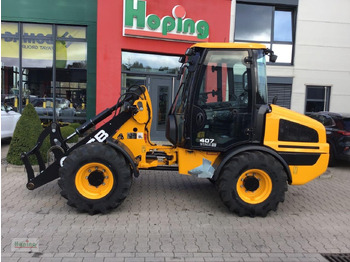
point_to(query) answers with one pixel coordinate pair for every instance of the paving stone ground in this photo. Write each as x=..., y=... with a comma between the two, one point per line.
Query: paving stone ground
x=170, y=217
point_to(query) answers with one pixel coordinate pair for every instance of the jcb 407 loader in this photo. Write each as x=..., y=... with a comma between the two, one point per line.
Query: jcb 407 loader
x=220, y=127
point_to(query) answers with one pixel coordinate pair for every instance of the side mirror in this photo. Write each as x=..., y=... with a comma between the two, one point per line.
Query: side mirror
x=189, y=52
x=182, y=59
x=273, y=58
x=271, y=55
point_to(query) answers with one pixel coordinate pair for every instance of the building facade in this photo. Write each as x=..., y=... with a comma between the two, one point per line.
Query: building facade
x=48, y=52
x=140, y=41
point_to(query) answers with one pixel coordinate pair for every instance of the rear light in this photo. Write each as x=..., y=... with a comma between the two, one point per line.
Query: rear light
x=343, y=132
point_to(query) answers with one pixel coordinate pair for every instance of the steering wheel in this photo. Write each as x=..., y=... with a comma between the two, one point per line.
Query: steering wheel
x=199, y=117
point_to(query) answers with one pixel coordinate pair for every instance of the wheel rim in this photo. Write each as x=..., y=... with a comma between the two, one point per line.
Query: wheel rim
x=254, y=186
x=94, y=180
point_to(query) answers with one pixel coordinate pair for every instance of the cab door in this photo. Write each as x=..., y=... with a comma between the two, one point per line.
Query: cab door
x=222, y=107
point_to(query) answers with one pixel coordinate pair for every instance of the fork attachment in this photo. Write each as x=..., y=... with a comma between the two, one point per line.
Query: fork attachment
x=59, y=148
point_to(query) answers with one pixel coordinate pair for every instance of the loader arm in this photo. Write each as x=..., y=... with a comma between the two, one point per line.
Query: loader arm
x=59, y=146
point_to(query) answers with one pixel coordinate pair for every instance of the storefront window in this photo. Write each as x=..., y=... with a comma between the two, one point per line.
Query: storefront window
x=253, y=22
x=9, y=64
x=149, y=63
x=37, y=61
x=159, y=74
x=267, y=24
x=48, y=72
x=71, y=58
x=71, y=32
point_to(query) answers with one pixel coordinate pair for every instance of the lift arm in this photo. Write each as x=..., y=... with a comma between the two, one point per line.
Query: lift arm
x=59, y=145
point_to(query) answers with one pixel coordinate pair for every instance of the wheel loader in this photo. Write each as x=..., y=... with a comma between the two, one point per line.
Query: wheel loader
x=220, y=127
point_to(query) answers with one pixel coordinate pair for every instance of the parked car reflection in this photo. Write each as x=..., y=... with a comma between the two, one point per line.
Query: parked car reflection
x=338, y=134
x=9, y=119
x=44, y=108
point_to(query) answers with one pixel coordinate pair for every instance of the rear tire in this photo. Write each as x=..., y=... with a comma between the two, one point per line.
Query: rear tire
x=252, y=184
x=95, y=178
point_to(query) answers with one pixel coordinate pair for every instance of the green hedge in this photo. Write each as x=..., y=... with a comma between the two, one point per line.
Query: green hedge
x=25, y=137
x=68, y=130
x=74, y=125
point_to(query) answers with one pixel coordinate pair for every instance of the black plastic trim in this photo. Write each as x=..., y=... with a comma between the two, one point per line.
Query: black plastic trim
x=295, y=132
x=260, y=123
x=171, y=129
x=301, y=147
x=125, y=152
x=223, y=158
x=300, y=159
x=165, y=168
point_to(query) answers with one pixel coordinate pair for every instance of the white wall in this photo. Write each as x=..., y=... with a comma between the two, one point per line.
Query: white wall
x=322, y=52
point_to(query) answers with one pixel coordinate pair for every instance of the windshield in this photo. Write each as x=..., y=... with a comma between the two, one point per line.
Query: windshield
x=225, y=78
x=222, y=105
x=181, y=97
x=261, y=94
x=187, y=70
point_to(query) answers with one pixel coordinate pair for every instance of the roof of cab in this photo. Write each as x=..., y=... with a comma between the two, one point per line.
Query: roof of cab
x=230, y=45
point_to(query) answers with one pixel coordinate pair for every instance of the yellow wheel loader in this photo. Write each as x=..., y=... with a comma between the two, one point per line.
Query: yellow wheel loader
x=220, y=127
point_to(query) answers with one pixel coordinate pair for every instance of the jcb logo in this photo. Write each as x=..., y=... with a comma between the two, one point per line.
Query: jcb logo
x=99, y=137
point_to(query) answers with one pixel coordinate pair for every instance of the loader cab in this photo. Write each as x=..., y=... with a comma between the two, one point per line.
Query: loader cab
x=222, y=87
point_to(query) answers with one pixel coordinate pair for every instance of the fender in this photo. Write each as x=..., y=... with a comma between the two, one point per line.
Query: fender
x=125, y=152
x=223, y=158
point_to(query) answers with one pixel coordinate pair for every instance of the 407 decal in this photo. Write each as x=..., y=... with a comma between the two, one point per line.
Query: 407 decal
x=207, y=142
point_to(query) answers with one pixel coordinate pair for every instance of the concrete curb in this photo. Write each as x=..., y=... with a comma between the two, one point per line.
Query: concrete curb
x=18, y=169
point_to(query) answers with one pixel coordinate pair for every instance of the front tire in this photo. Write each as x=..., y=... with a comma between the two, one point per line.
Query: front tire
x=95, y=178
x=252, y=184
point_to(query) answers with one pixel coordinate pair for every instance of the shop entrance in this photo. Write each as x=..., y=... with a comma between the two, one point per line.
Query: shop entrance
x=159, y=74
x=162, y=90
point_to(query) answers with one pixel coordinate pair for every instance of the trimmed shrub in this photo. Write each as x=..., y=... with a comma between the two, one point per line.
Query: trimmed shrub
x=74, y=125
x=68, y=130
x=25, y=137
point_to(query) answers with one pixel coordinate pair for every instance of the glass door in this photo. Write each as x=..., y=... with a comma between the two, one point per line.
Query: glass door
x=161, y=96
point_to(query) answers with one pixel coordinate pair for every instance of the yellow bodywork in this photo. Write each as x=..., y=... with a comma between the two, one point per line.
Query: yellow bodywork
x=301, y=174
x=135, y=135
x=230, y=45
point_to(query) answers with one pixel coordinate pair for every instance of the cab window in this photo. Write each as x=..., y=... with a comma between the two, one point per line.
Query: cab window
x=222, y=103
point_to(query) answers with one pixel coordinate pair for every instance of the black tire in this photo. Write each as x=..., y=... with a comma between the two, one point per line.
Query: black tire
x=95, y=178
x=212, y=181
x=252, y=174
